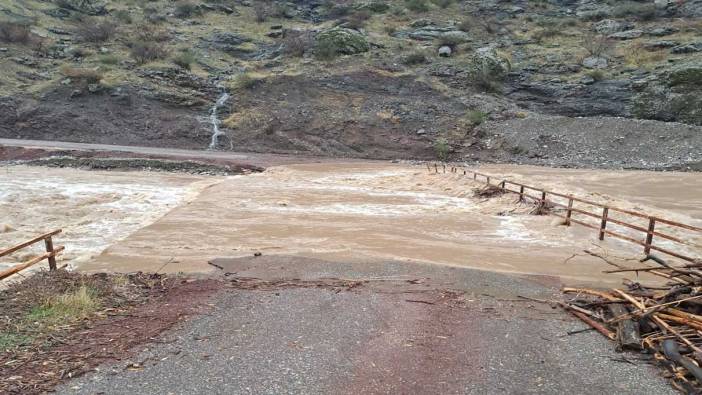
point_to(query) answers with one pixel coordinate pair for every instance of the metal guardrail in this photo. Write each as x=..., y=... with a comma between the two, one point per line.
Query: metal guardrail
x=604, y=216
x=50, y=255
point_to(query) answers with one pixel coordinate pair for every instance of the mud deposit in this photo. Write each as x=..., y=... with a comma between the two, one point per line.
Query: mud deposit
x=361, y=212
x=95, y=209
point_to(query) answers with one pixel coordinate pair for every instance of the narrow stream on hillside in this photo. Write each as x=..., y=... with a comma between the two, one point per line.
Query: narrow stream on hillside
x=214, y=120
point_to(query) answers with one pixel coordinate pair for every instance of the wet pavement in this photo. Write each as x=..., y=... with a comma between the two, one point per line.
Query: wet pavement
x=412, y=328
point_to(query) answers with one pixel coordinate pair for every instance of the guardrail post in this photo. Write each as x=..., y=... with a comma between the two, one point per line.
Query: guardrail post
x=444, y=166
x=542, y=204
x=603, y=225
x=487, y=180
x=569, y=212
x=521, y=193
x=436, y=168
x=464, y=172
x=428, y=168
x=475, y=176
x=502, y=184
x=50, y=248
x=649, y=235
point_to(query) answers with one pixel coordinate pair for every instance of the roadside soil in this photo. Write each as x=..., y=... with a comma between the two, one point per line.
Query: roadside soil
x=133, y=310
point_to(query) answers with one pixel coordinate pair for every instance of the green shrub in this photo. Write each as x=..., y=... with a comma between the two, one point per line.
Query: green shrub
x=417, y=5
x=245, y=81
x=281, y=10
x=442, y=3
x=109, y=59
x=338, y=11
x=452, y=41
x=358, y=19
x=596, y=15
x=184, y=59
x=389, y=29
x=597, y=75
x=641, y=11
x=466, y=24
x=418, y=57
x=13, y=32
x=124, y=16
x=377, y=7
x=326, y=50
x=186, y=9
x=442, y=148
x=153, y=15
x=476, y=117
x=398, y=11
x=688, y=76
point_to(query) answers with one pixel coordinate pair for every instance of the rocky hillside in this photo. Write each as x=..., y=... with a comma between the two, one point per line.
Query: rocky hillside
x=376, y=78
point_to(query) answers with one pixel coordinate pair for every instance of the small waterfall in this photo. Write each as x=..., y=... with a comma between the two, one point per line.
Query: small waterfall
x=215, y=121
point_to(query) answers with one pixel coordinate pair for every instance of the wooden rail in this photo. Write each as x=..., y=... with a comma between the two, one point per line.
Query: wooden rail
x=50, y=255
x=604, y=216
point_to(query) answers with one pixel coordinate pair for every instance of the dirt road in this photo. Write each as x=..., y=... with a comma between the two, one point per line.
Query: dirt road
x=253, y=159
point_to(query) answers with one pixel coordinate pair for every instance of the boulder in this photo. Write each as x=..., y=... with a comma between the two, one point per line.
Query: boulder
x=227, y=41
x=432, y=32
x=687, y=48
x=595, y=62
x=345, y=41
x=690, y=8
x=487, y=60
x=445, y=51
x=610, y=26
x=661, y=31
x=626, y=35
x=658, y=45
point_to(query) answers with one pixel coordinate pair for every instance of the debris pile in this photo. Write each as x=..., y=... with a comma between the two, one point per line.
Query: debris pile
x=664, y=321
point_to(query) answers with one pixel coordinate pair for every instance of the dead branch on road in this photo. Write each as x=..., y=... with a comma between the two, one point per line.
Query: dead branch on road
x=665, y=321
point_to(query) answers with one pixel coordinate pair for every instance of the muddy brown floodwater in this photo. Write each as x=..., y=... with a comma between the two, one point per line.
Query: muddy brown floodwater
x=94, y=208
x=379, y=211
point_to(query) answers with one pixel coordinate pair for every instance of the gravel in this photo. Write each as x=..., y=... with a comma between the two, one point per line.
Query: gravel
x=601, y=142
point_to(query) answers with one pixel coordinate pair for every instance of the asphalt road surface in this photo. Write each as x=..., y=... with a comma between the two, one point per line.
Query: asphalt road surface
x=410, y=329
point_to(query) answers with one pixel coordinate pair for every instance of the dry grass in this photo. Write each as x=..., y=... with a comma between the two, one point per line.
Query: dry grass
x=81, y=75
x=637, y=56
x=95, y=30
x=66, y=308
